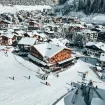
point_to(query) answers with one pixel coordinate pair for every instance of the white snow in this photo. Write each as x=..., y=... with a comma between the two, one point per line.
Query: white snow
x=99, y=45
x=48, y=49
x=15, y=8
x=27, y=41
x=42, y=35
x=102, y=57
x=23, y=91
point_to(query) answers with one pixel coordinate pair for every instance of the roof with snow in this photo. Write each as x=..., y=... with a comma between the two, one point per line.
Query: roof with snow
x=90, y=44
x=20, y=32
x=39, y=34
x=30, y=34
x=49, y=49
x=99, y=45
x=102, y=57
x=86, y=31
x=27, y=41
x=60, y=41
x=8, y=35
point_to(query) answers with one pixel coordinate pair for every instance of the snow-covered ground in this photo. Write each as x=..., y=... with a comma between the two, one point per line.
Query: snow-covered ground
x=15, y=8
x=33, y=91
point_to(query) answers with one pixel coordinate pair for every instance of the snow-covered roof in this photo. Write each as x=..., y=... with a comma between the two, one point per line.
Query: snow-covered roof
x=99, y=68
x=60, y=41
x=49, y=49
x=86, y=31
x=89, y=31
x=77, y=25
x=20, y=32
x=73, y=25
x=97, y=101
x=10, y=30
x=39, y=34
x=8, y=34
x=1, y=31
x=27, y=41
x=99, y=45
x=90, y=44
x=102, y=57
x=30, y=34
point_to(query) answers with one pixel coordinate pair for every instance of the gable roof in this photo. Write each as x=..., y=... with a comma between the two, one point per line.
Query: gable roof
x=39, y=34
x=99, y=45
x=27, y=41
x=8, y=35
x=102, y=57
x=49, y=49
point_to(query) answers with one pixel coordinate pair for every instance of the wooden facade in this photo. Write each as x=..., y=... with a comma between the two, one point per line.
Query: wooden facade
x=37, y=37
x=60, y=56
x=33, y=25
x=58, y=20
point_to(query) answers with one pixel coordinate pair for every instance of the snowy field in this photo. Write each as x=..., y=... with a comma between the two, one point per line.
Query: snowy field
x=33, y=91
x=15, y=8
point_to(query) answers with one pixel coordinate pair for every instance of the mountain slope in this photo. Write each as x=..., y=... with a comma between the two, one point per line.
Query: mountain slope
x=87, y=6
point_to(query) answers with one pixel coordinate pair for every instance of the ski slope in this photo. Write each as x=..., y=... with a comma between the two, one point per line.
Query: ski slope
x=33, y=91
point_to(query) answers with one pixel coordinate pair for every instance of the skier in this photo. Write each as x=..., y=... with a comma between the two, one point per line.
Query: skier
x=85, y=59
x=46, y=77
x=57, y=75
x=46, y=83
x=13, y=77
x=29, y=77
x=90, y=83
x=76, y=93
x=84, y=76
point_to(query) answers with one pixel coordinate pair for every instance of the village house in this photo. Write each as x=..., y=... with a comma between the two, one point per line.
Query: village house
x=95, y=48
x=19, y=34
x=49, y=54
x=85, y=36
x=58, y=19
x=60, y=41
x=4, y=24
x=52, y=30
x=25, y=43
x=33, y=25
x=8, y=38
x=39, y=36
